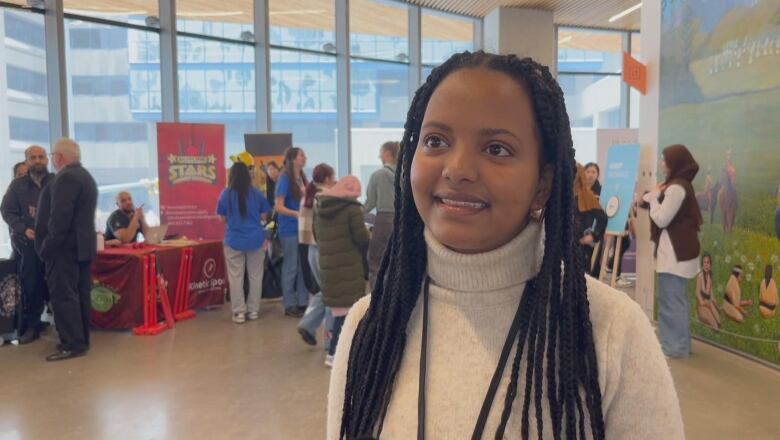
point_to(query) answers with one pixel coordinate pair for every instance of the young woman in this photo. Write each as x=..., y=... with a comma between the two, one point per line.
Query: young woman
x=592, y=172
x=675, y=222
x=242, y=207
x=590, y=219
x=322, y=177
x=767, y=294
x=289, y=192
x=733, y=305
x=707, y=308
x=484, y=279
x=343, y=240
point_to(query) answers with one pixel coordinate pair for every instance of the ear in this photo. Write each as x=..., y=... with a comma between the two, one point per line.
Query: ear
x=543, y=188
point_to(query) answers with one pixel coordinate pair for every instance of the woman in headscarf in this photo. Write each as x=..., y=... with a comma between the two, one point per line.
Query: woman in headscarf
x=675, y=222
x=590, y=219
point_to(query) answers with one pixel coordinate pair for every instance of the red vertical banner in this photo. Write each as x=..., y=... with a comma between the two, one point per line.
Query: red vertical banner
x=191, y=161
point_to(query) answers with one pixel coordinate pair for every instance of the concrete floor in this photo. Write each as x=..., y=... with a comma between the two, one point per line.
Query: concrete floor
x=212, y=379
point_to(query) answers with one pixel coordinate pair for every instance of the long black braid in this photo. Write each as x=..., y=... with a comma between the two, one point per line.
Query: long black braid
x=555, y=331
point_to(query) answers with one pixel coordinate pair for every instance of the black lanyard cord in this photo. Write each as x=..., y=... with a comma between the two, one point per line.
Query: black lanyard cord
x=497, y=375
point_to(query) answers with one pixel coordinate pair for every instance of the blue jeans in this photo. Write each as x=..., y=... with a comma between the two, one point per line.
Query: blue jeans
x=294, y=292
x=673, y=321
x=316, y=314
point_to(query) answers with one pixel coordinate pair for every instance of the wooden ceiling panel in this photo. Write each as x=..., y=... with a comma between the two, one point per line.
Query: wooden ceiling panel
x=383, y=18
x=587, y=13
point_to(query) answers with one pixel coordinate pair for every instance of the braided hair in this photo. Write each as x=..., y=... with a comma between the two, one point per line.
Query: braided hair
x=555, y=339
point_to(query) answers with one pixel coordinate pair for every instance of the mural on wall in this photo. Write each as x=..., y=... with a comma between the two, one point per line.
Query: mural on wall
x=720, y=96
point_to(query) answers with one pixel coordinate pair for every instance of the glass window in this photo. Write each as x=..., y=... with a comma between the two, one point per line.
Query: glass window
x=636, y=44
x=305, y=24
x=444, y=35
x=303, y=102
x=217, y=85
x=23, y=102
x=134, y=11
x=26, y=80
x=592, y=102
x=234, y=19
x=586, y=50
x=113, y=108
x=380, y=102
x=28, y=131
x=379, y=29
x=634, y=97
x=24, y=28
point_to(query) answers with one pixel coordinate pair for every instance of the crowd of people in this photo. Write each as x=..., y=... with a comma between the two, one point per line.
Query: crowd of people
x=51, y=219
x=464, y=270
x=329, y=258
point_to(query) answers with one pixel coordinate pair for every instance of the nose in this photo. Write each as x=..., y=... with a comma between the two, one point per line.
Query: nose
x=460, y=166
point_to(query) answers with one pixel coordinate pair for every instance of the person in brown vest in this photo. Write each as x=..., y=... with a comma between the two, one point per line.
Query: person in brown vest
x=675, y=222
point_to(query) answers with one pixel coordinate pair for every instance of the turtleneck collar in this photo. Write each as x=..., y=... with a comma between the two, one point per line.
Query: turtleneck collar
x=510, y=265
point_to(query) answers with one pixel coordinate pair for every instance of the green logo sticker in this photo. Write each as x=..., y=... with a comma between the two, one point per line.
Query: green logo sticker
x=103, y=299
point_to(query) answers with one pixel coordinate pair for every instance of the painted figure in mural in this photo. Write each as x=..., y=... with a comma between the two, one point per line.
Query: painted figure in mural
x=705, y=196
x=727, y=199
x=767, y=294
x=713, y=198
x=733, y=304
x=777, y=214
x=707, y=309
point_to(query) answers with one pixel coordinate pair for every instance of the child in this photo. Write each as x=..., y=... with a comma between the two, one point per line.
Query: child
x=343, y=241
x=472, y=279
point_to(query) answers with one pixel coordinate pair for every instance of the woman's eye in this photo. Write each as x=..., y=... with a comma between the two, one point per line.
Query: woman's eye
x=498, y=150
x=434, y=143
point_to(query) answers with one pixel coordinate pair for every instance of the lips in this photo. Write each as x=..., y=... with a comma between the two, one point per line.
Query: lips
x=461, y=203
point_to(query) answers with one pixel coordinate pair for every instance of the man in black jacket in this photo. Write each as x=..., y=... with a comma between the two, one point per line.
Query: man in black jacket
x=68, y=244
x=19, y=209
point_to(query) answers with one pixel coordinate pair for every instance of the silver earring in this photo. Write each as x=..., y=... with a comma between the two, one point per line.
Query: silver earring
x=538, y=215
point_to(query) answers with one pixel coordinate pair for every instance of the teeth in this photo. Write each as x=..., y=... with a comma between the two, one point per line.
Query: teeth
x=463, y=204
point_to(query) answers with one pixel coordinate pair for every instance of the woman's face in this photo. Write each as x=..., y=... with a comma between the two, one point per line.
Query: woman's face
x=300, y=160
x=329, y=181
x=592, y=174
x=476, y=170
x=707, y=264
x=273, y=173
x=664, y=167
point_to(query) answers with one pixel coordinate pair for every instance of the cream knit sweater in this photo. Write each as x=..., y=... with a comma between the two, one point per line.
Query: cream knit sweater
x=473, y=299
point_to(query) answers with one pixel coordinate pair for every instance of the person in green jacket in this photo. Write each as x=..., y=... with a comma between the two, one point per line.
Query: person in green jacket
x=343, y=240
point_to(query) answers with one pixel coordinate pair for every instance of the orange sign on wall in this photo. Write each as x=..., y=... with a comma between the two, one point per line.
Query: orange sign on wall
x=634, y=73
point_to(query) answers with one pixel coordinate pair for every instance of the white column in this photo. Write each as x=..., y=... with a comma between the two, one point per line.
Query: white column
x=56, y=74
x=169, y=75
x=648, y=140
x=415, y=50
x=523, y=32
x=262, y=66
x=343, y=98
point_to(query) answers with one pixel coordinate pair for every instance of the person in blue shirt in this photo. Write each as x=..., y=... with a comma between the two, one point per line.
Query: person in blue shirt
x=289, y=191
x=243, y=208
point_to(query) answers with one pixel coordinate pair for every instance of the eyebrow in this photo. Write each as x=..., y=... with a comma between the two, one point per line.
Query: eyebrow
x=485, y=132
